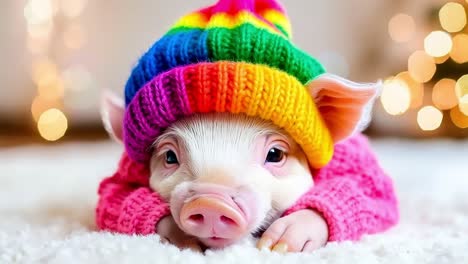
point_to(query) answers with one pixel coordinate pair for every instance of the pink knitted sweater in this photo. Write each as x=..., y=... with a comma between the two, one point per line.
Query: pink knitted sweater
x=353, y=193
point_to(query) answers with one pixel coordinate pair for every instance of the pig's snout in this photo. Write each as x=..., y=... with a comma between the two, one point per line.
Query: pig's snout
x=217, y=219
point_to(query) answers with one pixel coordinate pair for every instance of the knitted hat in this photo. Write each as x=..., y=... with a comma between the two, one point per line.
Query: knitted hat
x=235, y=56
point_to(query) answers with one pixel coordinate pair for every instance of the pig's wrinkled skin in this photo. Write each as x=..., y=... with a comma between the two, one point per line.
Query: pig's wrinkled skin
x=223, y=158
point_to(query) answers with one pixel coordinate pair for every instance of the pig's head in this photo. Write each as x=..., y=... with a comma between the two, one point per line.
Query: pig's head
x=227, y=176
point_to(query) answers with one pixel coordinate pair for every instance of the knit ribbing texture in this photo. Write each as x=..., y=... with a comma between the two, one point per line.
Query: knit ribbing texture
x=250, y=89
x=234, y=56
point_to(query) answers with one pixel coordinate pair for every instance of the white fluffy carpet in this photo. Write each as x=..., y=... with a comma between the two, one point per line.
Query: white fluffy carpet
x=48, y=194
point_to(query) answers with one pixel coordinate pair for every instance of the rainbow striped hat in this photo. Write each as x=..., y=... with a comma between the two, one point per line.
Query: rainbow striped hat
x=234, y=56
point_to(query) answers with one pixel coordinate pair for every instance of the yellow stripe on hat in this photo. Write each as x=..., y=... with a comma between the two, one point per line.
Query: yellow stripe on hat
x=225, y=20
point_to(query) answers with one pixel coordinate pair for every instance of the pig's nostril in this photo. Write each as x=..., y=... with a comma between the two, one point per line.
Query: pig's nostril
x=198, y=218
x=226, y=220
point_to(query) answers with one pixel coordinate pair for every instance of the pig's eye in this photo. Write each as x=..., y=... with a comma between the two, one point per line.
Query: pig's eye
x=275, y=155
x=171, y=157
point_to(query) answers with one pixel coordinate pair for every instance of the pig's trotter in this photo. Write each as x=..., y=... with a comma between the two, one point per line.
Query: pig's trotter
x=172, y=234
x=302, y=231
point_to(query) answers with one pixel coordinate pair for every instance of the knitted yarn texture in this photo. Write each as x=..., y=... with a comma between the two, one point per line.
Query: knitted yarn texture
x=234, y=56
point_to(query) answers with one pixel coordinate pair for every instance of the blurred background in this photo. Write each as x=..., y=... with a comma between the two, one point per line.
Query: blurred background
x=56, y=56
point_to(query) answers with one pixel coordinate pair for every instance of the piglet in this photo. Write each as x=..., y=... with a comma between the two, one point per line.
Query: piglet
x=229, y=176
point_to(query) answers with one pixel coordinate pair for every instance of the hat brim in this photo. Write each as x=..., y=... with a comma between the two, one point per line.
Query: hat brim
x=224, y=86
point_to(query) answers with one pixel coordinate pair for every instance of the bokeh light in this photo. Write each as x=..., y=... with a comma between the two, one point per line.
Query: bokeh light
x=458, y=118
x=38, y=11
x=461, y=87
x=44, y=70
x=429, y=118
x=45, y=75
x=461, y=90
x=51, y=90
x=40, y=30
x=73, y=8
x=452, y=17
x=74, y=37
x=52, y=124
x=438, y=44
x=395, y=97
x=459, y=51
x=440, y=60
x=463, y=104
x=415, y=88
x=40, y=105
x=421, y=66
x=401, y=27
x=38, y=15
x=443, y=94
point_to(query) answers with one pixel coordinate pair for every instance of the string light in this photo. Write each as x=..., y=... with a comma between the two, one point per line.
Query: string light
x=452, y=17
x=415, y=88
x=52, y=124
x=421, y=66
x=459, y=51
x=399, y=94
x=438, y=44
x=395, y=97
x=429, y=118
x=406, y=90
x=401, y=27
x=443, y=94
x=458, y=118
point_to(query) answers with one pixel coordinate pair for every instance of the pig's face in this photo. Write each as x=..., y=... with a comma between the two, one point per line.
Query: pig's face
x=227, y=176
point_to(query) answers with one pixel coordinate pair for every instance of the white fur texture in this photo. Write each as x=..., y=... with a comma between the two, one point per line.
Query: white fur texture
x=47, y=198
x=228, y=149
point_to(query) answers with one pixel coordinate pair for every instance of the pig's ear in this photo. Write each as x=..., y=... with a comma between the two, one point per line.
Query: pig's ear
x=344, y=105
x=112, y=114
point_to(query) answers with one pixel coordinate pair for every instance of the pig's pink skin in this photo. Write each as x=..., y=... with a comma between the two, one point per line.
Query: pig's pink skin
x=240, y=199
x=301, y=231
x=353, y=193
